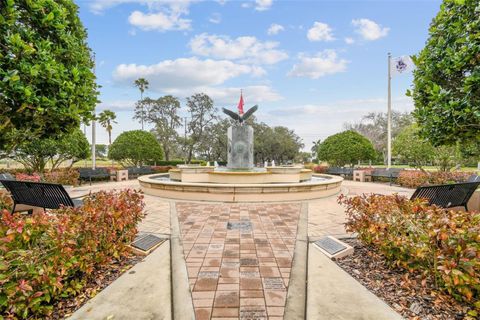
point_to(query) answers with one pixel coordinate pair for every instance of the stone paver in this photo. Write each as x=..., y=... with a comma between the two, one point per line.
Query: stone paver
x=238, y=257
x=327, y=217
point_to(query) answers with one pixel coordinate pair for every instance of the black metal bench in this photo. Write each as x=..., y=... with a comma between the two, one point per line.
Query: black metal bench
x=6, y=176
x=340, y=171
x=447, y=195
x=473, y=178
x=89, y=174
x=135, y=172
x=390, y=174
x=39, y=194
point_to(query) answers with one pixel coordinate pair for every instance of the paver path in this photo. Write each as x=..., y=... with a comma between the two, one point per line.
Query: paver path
x=238, y=257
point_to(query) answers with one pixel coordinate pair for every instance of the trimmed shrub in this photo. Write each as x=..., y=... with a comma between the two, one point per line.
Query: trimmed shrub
x=161, y=169
x=62, y=176
x=176, y=162
x=345, y=148
x=44, y=257
x=34, y=177
x=442, y=244
x=320, y=169
x=134, y=148
x=417, y=178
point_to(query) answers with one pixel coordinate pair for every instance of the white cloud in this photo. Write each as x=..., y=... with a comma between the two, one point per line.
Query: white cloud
x=158, y=21
x=99, y=6
x=275, y=29
x=349, y=40
x=184, y=73
x=320, y=32
x=262, y=5
x=321, y=64
x=370, y=30
x=246, y=5
x=246, y=49
x=215, y=18
x=116, y=105
x=229, y=95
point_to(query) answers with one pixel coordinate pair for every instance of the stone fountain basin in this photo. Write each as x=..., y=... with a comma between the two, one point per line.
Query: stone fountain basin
x=161, y=185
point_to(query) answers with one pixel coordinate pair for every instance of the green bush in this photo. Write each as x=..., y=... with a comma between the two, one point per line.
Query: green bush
x=135, y=148
x=347, y=147
x=442, y=244
x=45, y=257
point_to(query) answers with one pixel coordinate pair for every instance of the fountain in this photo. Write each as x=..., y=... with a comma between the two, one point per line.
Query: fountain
x=240, y=181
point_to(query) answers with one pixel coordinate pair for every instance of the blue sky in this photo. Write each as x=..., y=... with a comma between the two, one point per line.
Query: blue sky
x=309, y=65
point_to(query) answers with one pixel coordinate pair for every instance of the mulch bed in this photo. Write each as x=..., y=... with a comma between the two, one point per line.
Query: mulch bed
x=410, y=294
x=99, y=280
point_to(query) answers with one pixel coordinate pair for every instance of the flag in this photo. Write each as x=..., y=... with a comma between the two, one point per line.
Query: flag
x=240, y=104
x=401, y=65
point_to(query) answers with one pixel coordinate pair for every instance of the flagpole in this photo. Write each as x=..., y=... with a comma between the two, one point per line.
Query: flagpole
x=389, y=116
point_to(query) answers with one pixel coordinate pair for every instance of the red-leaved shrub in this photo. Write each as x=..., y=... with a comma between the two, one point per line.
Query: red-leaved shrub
x=320, y=169
x=161, y=169
x=46, y=256
x=442, y=244
x=63, y=176
x=417, y=178
x=34, y=177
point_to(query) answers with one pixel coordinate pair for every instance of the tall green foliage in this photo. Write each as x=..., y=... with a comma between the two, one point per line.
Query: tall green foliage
x=46, y=81
x=135, y=148
x=446, y=87
x=347, y=147
x=37, y=153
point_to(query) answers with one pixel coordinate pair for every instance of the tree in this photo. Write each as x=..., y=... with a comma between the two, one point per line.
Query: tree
x=47, y=85
x=142, y=84
x=163, y=113
x=106, y=118
x=101, y=150
x=202, y=114
x=409, y=147
x=446, y=86
x=36, y=154
x=135, y=148
x=214, y=146
x=314, y=148
x=374, y=127
x=347, y=147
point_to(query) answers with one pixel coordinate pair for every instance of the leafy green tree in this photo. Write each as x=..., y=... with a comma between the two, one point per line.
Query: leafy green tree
x=106, y=118
x=142, y=84
x=347, y=147
x=163, y=113
x=314, y=148
x=373, y=126
x=46, y=81
x=135, y=148
x=446, y=86
x=202, y=114
x=36, y=154
x=409, y=147
x=214, y=146
x=101, y=150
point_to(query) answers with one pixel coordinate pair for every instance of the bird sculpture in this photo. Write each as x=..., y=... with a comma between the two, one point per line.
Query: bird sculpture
x=238, y=117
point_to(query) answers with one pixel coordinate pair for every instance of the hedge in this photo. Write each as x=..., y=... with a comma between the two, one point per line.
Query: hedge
x=47, y=256
x=417, y=178
x=442, y=244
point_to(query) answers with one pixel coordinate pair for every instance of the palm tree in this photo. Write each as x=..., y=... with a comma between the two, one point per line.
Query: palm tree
x=106, y=118
x=142, y=85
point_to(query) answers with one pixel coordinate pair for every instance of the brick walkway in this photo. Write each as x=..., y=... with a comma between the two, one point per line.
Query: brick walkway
x=239, y=257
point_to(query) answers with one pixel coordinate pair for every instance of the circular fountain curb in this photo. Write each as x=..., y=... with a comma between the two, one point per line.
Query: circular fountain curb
x=257, y=192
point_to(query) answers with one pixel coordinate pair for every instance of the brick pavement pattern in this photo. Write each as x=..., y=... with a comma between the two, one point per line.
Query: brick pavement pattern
x=238, y=257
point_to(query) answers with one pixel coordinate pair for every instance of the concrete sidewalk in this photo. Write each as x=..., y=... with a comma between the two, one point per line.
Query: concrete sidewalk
x=332, y=294
x=143, y=292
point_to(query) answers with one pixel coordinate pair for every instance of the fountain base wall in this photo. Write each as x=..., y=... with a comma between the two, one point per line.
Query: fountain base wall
x=161, y=186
